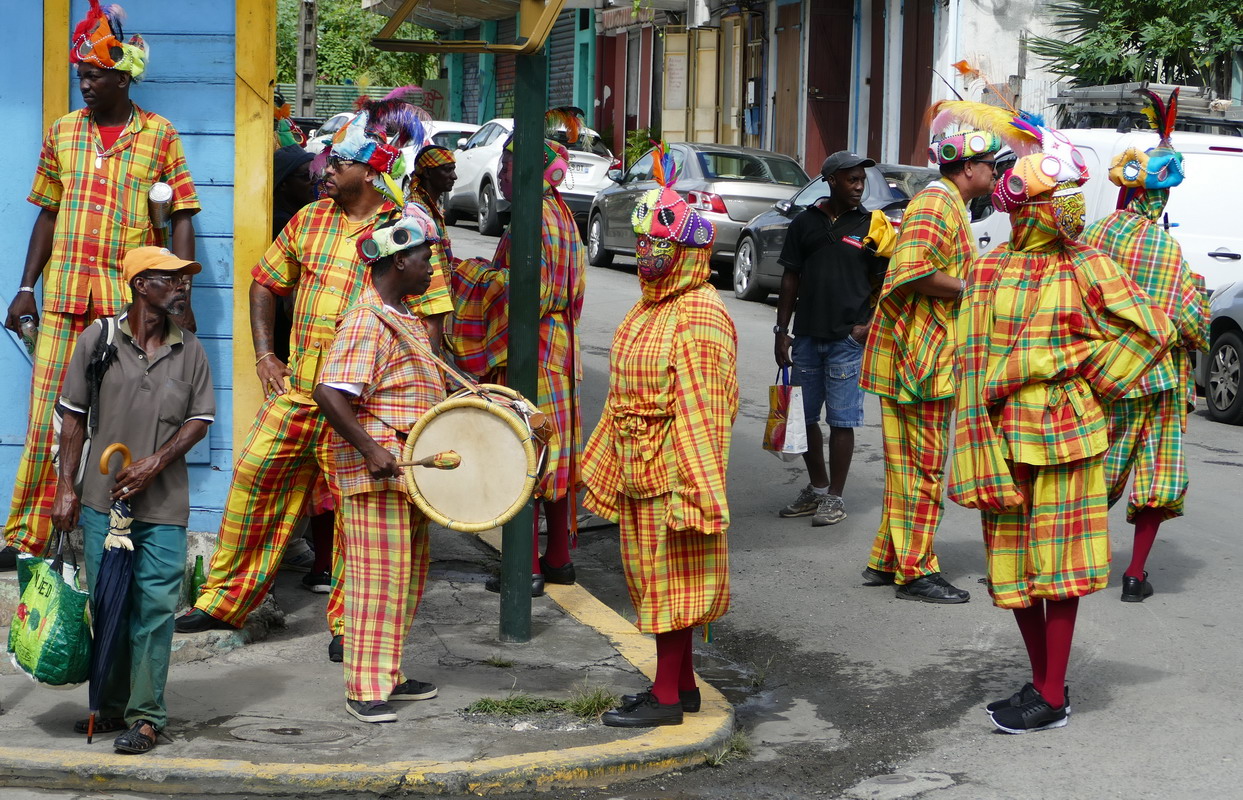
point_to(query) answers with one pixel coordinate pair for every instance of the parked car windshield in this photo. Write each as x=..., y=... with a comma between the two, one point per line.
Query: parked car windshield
x=877, y=193
x=724, y=166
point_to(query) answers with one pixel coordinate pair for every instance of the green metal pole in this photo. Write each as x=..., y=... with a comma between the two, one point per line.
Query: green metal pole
x=530, y=102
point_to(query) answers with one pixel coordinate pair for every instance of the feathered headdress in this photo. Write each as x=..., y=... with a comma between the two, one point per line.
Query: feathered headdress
x=564, y=118
x=97, y=40
x=1159, y=167
x=381, y=135
x=1016, y=130
x=662, y=213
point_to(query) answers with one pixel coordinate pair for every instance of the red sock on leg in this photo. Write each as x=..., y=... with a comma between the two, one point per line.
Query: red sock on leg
x=557, y=548
x=1059, y=631
x=1032, y=627
x=670, y=650
x=1147, y=521
x=321, y=540
x=686, y=678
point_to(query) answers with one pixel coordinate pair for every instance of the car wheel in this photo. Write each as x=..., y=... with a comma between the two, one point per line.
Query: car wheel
x=489, y=220
x=746, y=259
x=1225, y=402
x=597, y=256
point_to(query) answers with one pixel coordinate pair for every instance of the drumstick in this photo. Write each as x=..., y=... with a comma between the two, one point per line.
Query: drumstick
x=446, y=460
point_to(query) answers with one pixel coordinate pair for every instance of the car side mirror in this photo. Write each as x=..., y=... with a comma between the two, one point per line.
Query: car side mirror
x=783, y=207
x=461, y=143
x=615, y=175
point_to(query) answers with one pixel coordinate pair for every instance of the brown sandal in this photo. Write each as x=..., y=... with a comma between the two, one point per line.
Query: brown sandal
x=102, y=725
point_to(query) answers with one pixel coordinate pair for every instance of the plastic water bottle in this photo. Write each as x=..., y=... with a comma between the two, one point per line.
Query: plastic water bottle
x=29, y=332
x=197, y=581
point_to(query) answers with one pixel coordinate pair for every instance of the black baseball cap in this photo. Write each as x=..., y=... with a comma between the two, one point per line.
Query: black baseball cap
x=844, y=159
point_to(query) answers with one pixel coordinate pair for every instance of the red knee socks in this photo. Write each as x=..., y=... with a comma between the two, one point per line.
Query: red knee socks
x=686, y=678
x=1147, y=521
x=1031, y=625
x=557, y=547
x=671, y=651
x=1048, y=627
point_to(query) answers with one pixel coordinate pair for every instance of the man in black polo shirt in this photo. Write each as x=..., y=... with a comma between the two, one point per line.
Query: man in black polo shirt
x=830, y=280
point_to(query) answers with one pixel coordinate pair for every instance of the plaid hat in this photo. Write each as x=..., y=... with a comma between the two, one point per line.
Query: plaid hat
x=433, y=156
x=141, y=259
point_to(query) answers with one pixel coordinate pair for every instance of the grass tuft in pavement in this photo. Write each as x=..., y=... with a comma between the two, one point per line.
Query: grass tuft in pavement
x=587, y=702
x=736, y=747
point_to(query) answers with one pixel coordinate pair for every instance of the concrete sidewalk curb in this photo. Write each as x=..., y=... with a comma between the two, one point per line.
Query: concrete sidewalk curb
x=650, y=752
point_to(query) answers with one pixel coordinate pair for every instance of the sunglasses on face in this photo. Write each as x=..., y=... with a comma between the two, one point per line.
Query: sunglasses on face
x=170, y=279
x=336, y=162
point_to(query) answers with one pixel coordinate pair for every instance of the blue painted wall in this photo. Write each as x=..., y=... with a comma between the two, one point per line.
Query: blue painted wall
x=190, y=81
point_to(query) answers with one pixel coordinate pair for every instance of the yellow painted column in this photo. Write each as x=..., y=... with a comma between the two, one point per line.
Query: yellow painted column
x=56, y=33
x=255, y=64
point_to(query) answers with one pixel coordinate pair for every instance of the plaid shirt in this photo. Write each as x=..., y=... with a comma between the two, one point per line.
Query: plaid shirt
x=1139, y=244
x=910, y=349
x=436, y=299
x=1049, y=327
x=480, y=337
x=673, y=398
x=400, y=384
x=317, y=254
x=101, y=205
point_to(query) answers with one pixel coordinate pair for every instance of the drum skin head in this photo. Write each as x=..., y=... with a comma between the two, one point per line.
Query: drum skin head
x=498, y=470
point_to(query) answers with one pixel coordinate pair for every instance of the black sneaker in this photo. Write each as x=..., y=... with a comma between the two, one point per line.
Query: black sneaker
x=414, y=690
x=689, y=699
x=1034, y=715
x=644, y=712
x=1024, y=695
x=1135, y=590
x=493, y=584
x=318, y=582
x=336, y=648
x=370, y=710
x=8, y=558
x=876, y=577
x=196, y=621
x=932, y=589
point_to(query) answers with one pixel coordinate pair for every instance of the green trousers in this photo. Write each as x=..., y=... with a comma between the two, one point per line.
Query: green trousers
x=135, y=686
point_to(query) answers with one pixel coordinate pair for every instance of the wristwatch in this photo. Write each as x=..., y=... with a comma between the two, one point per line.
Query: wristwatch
x=779, y=329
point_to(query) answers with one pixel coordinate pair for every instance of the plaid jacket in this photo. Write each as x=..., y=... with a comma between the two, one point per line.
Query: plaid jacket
x=672, y=401
x=909, y=355
x=1138, y=243
x=101, y=204
x=317, y=254
x=1049, y=327
x=436, y=299
x=400, y=383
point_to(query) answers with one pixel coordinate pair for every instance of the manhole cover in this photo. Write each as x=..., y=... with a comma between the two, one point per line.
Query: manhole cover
x=288, y=733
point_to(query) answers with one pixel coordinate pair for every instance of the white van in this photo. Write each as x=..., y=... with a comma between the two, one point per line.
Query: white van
x=1205, y=211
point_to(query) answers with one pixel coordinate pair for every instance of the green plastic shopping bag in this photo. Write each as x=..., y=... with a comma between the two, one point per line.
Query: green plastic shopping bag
x=50, y=636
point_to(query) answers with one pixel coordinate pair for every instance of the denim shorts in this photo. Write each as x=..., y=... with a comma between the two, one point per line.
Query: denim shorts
x=828, y=371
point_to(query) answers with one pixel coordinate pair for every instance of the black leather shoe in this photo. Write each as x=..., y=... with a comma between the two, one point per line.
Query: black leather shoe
x=562, y=575
x=493, y=584
x=876, y=577
x=932, y=589
x=336, y=648
x=197, y=621
x=8, y=558
x=690, y=700
x=1135, y=590
x=645, y=712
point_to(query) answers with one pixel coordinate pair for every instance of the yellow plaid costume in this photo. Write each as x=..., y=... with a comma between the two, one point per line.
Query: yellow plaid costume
x=1048, y=328
x=656, y=462
x=101, y=213
x=385, y=536
x=908, y=361
x=317, y=254
x=1146, y=427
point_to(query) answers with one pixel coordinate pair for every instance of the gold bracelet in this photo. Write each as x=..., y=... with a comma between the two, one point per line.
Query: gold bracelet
x=265, y=355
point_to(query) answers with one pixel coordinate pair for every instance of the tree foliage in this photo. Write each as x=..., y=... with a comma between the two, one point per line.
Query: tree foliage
x=344, y=53
x=1115, y=41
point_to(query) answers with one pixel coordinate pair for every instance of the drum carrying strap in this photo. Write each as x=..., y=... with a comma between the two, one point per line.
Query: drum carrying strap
x=459, y=376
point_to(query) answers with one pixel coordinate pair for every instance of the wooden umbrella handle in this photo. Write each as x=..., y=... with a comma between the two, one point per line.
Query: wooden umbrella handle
x=109, y=452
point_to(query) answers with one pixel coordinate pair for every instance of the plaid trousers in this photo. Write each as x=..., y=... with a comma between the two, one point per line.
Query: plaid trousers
x=1146, y=435
x=917, y=439
x=280, y=459
x=30, y=514
x=386, y=555
x=1056, y=545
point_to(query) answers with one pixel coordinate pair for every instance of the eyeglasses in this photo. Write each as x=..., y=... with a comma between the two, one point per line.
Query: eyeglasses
x=171, y=280
x=336, y=162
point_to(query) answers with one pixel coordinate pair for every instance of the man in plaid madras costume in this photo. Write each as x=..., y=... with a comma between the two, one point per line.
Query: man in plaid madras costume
x=480, y=341
x=1146, y=426
x=656, y=462
x=378, y=380
x=91, y=184
x=1049, y=329
x=909, y=362
x=435, y=172
x=317, y=255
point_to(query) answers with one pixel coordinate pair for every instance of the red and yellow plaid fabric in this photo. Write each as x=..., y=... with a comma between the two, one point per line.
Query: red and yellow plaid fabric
x=281, y=458
x=910, y=349
x=1048, y=328
x=436, y=299
x=916, y=437
x=317, y=254
x=386, y=553
x=29, y=526
x=1146, y=434
x=401, y=384
x=101, y=205
x=1055, y=544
